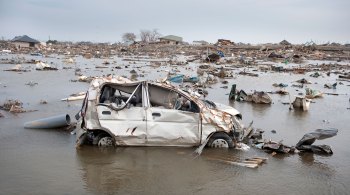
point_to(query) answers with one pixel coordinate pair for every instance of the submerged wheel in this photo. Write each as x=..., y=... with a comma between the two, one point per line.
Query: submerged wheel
x=104, y=140
x=220, y=140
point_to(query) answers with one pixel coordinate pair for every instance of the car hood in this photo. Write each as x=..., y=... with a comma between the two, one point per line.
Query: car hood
x=228, y=109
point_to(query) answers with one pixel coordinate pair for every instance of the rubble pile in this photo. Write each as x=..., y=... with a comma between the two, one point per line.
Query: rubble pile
x=14, y=106
x=305, y=144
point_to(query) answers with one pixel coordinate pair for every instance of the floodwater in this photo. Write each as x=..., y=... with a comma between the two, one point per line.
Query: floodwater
x=36, y=161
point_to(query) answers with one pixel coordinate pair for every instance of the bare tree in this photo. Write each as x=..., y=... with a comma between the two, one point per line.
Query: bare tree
x=149, y=36
x=154, y=35
x=144, y=35
x=129, y=37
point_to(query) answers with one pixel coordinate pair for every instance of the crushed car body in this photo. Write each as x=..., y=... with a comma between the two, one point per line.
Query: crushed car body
x=117, y=111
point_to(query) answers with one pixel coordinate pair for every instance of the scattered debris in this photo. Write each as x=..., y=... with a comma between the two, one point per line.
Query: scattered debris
x=101, y=66
x=10, y=103
x=31, y=83
x=213, y=57
x=345, y=76
x=76, y=96
x=248, y=74
x=303, y=81
x=280, y=85
x=14, y=106
x=17, y=68
x=177, y=78
x=330, y=86
x=316, y=75
x=69, y=61
x=305, y=144
x=302, y=102
x=252, y=162
x=274, y=55
x=85, y=79
x=233, y=93
x=49, y=123
x=311, y=94
x=278, y=147
x=43, y=66
x=241, y=96
x=258, y=98
x=43, y=102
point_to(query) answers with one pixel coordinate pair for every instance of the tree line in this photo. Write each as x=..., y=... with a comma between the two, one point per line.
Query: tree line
x=145, y=36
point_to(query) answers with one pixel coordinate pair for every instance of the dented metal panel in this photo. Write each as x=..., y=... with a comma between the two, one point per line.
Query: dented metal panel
x=172, y=127
x=128, y=125
x=91, y=118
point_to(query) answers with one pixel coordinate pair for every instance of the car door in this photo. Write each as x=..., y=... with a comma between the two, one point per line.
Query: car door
x=128, y=124
x=169, y=126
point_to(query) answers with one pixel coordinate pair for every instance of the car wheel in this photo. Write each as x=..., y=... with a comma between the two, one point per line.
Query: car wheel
x=220, y=140
x=104, y=140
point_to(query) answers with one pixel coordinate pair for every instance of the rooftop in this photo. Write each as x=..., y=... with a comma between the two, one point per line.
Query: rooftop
x=172, y=38
x=25, y=38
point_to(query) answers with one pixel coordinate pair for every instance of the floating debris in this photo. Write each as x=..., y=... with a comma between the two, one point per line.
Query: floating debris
x=305, y=144
x=76, y=96
x=43, y=66
x=330, y=86
x=301, y=102
x=252, y=162
x=17, y=68
x=303, y=81
x=258, y=97
x=311, y=94
x=31, y=83
x=43, y=102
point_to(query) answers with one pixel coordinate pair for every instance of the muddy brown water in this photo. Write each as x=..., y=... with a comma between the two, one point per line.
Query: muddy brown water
x=34, y=161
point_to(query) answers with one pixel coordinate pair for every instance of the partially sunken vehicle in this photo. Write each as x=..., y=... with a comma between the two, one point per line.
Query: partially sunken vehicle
x=120, y=112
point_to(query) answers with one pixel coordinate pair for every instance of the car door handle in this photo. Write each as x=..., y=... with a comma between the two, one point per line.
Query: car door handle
x=157, y=114
x=106, y=112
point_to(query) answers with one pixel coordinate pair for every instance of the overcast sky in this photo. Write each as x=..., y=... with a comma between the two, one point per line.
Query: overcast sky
x=248, y=21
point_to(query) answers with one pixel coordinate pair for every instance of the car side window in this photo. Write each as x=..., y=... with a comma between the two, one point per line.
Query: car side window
x=119, y=95
x=170, y=99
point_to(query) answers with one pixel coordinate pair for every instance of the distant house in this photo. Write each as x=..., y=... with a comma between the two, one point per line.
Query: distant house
x=171, y=39
x=200, y=43
x=25, y=42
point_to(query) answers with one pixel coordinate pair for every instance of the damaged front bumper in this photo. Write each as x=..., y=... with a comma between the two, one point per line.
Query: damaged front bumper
x=81, y=134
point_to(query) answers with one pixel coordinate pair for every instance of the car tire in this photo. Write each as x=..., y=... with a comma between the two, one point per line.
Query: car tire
x=220, y=140
x=104, y=140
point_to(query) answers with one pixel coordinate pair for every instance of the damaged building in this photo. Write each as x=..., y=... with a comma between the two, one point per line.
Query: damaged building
x=25, y=42
x=171, y=40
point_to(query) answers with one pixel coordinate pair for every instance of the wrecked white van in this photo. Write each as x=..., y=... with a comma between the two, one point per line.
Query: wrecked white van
x=117, y=111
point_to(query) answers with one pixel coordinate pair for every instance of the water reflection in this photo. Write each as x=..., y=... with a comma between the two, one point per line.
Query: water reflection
x=124, y=168
x=261, y=109
x=135, y=170
x=311, y=160
x=101, y=170
x=258, y=110
x=299, y=114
